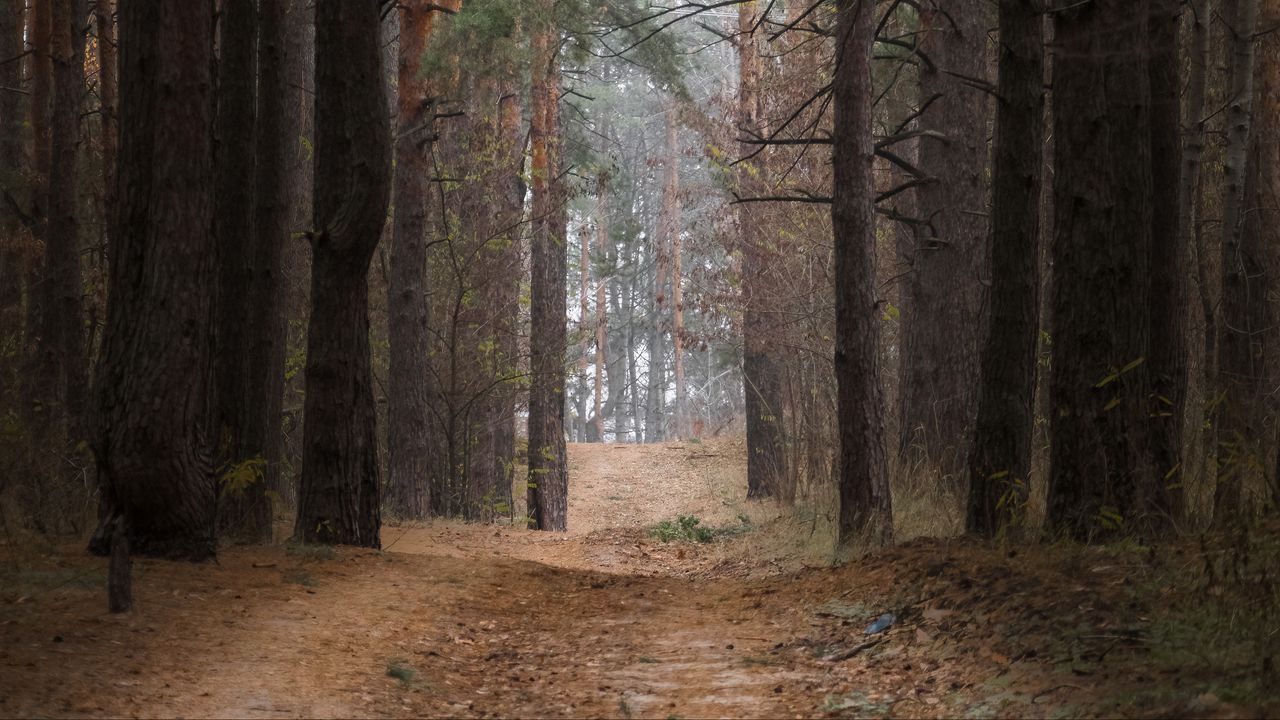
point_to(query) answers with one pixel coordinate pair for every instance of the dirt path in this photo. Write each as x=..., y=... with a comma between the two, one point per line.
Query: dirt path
x=477, y=621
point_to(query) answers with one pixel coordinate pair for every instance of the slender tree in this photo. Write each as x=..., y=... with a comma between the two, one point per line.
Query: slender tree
x=152, y=369
x=865, y=506
x=338, y=496
x=12, y=134
x=548, y=496
x=1000, y=453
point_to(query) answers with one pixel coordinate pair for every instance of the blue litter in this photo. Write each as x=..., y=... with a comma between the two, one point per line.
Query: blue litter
x=881, y=624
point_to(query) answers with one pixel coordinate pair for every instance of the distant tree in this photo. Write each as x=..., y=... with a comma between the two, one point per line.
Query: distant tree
x=943, y=291
x=548, y=495
x=865, y=506
x=339, y=492
x=1000, y=453
x=152, y=372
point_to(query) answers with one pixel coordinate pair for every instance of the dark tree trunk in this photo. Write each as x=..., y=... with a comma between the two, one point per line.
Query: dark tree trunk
x=1263, y=197
x=939, y=353
x=1242, y=382
x=338, y=498
x=63, y=366
x=152, y=371
x=865, y=507
x=244, y=512
x=1000, y=454
x=548, y=497
x=1169, y=262
x=761, y=371
x=12, y=257
x=409, y=375
x=1100, y=459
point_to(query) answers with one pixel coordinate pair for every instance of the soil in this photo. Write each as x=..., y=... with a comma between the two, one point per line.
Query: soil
x=605, y=620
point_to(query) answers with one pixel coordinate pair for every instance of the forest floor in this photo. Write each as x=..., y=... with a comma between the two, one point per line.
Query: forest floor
x=610, y=620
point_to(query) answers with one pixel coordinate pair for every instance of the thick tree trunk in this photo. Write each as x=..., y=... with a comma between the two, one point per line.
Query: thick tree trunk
x=1101, y=466
x=1000, y=454
x=244, y=513
x=939, y=353
x=408, y=307
x=865, y=507
x=338, y=498
x=548, y=497
x=1243, y=451
x=153, y=368
x=761, y=371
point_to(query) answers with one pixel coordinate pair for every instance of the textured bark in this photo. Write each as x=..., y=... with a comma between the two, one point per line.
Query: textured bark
x=761, y=370
x=943, y=293
x=1169, y=264
x=108, y=104
x=548, y=497
x=605, y=248
x=338, y=496
x=1000, y=454
x=865, y=506
x=244, y=511
x=408, y=307
x=1263, y=229
x=12, y=258
x=671, y=204
x=1101, y=471
x=1243, y=449
x=153, y=367
x=62, y=362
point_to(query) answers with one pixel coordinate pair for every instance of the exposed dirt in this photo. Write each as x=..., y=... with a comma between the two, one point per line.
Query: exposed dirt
x=474, y=621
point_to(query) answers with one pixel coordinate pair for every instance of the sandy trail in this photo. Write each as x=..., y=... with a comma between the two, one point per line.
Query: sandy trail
x=604, y=621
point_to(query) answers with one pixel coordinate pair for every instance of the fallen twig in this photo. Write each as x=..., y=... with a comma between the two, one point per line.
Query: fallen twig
x=851, y=652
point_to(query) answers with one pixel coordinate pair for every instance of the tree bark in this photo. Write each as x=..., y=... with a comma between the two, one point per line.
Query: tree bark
x=865, y=505
x=409, y=376
x=548, y=496
x=1263, y=200
x=1101, y=466
x=761, y=371
x=63, y=375
x=339, y=493
x=1000, y=453
x=1169, y=257
x=940, y=339
x=671, y=204
x=12, y=258
x=153, y=367
x=244, y=512
x=1242, y=382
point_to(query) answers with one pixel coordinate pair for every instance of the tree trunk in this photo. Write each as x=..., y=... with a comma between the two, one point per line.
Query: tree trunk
x=1169, y=256
x=548, y=498
x=865, y=507
x=939, y=350
x=62, y=361
x=761, y=373
x=408, y=306
x=1000, y=454
x=1263, y=199
x=1101, y=469
x=244, y=512
x=12, y=257
x=153, y=367
x=671, y=204
x=604, y=247
x=338, y=498
x=1242, y=382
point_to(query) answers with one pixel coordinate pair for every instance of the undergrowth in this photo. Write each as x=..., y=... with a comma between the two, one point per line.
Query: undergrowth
x=688, y=528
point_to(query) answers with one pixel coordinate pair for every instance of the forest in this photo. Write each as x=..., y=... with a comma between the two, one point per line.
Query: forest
x=639, y=358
